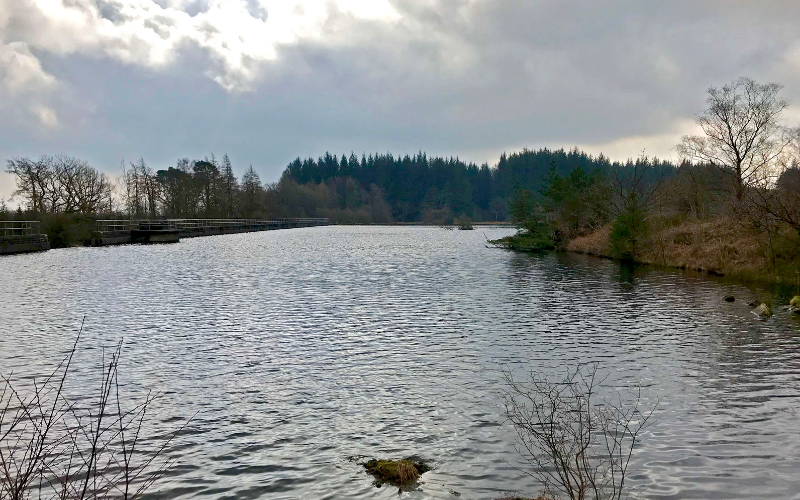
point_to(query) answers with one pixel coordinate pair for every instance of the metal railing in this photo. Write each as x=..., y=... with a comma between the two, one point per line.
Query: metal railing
x=115, y=226
x=195, y=225
x=16, y=228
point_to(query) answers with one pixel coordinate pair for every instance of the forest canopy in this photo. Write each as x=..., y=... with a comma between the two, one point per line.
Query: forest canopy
x=436, y=189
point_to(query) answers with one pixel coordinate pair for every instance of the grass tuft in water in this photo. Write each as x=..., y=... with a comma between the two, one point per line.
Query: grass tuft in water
x=400, y=473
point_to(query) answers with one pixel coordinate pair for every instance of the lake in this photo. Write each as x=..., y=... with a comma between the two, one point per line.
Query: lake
x=298, y=349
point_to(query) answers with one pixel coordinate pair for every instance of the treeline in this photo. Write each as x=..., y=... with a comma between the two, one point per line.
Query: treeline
x=67, y=195
x=436, y=190
x=350, y=190
x=204, y=188
x=209, y=189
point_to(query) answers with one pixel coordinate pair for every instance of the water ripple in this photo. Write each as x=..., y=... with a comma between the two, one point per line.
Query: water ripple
x=301, y=348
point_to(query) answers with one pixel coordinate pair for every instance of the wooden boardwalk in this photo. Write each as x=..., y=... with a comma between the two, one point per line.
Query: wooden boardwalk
x=120, y=232
x=26, y=236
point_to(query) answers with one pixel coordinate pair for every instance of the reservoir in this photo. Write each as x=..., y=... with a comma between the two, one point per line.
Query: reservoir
x=296, y=350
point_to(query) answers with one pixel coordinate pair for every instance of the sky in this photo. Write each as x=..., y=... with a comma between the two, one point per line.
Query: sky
x=266, y=81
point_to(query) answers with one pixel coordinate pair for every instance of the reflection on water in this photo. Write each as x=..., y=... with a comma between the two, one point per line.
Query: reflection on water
x=301, y=348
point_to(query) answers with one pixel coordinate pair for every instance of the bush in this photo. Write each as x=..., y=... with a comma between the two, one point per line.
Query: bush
x=627, y=233
x=67, y=230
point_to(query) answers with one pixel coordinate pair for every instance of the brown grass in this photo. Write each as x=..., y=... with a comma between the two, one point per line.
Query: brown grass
x=721, y=246
x=396, y=472
x=595, y=243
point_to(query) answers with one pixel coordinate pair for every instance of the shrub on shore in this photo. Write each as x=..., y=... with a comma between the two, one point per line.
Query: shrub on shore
x=534, y=233
x=67, y=230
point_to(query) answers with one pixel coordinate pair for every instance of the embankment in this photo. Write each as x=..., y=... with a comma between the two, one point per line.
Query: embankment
x=721, y=246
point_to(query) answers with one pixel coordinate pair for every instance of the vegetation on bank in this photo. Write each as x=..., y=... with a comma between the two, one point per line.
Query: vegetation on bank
x=731, y=208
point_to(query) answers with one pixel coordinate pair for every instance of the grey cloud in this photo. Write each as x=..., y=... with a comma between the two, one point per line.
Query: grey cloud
x=160, y=25
x=111, y=10
x=256, y=10
x=191, y=7
x=449, y=77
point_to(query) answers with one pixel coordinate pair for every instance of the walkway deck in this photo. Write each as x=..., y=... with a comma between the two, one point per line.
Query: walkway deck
x=21, y=237
x=26, y=236
x=120, y=232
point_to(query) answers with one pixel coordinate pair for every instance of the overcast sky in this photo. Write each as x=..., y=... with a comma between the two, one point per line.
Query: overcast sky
x=269, y=80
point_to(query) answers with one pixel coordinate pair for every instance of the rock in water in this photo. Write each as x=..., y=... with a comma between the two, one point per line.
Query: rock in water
x=764, y=311
x=752, y=303
x=729, y=298
x=400, y=473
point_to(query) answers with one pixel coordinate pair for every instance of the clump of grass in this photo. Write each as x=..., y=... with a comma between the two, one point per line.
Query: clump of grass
x=400, y=473
x=595, y=243
x=464, y=223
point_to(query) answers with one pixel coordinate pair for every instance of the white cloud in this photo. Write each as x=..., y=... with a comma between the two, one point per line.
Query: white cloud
x=47, y=116
x=661, y=145
x=21, y=71
x=24, y=84
x=236, y=34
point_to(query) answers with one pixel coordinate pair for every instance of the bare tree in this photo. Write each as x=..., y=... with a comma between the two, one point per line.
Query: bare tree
x=81, y=187
x=61, y=183
x=775, y=199
x=33, y=179
x=575, y=445
x=743, y=135
x=141, y=189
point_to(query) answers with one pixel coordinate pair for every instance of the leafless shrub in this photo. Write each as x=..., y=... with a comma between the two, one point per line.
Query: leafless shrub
x=94, y=447
x=576, y=446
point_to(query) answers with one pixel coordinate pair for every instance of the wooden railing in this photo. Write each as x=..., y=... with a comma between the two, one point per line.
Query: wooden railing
x=193, y=225
x=18, y=228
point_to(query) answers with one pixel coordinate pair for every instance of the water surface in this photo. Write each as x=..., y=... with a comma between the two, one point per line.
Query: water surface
x=300, y=348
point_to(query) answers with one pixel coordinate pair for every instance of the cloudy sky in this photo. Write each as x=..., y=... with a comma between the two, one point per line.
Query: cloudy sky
x=269, y=80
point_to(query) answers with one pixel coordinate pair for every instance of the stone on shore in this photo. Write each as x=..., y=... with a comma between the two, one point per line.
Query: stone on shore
x=764, y=311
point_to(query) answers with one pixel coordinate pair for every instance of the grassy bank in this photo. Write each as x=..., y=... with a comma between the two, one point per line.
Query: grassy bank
x=721, y=246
